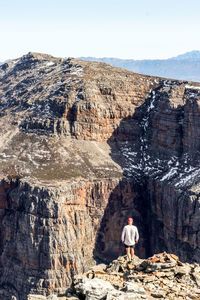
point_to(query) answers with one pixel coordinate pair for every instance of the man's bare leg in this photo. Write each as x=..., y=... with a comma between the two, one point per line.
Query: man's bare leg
x=128, y=254
x=132, y=253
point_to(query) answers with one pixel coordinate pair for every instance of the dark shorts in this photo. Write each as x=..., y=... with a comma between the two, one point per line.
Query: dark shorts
x=126, y=246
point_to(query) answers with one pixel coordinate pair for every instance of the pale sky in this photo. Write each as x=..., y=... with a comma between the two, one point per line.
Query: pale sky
x=106, y=28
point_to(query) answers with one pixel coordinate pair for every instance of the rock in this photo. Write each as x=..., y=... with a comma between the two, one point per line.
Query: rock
x=184, y=270
x=52, y=297
x=174, y=257
x=151, y=268
x=133, y=288
x=99, y=289
x=99, y=268
x=68, y=298
x=36, y=297
x=196, y=276
x=158, y=294
x=144, y=264
x=130, y=266
x=93, y=289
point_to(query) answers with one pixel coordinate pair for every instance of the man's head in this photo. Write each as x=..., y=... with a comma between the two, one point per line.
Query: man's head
x=130, y=221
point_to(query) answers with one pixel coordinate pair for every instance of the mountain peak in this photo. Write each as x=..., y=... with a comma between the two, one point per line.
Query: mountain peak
x=39, y=56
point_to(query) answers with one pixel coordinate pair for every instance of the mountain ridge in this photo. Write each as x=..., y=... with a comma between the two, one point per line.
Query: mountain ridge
x=194, y=54
x=184, y=66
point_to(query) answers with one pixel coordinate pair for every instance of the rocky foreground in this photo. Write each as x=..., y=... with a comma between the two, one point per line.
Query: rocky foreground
x=161, y=276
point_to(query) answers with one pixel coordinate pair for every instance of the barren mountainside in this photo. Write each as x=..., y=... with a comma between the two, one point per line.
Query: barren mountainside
x=83, y=146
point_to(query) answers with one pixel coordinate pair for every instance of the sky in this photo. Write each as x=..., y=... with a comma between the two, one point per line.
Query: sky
x=129, y=29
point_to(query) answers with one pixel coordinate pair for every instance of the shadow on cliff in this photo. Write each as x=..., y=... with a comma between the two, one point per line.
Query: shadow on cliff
x=128, y=199
x=131, y=198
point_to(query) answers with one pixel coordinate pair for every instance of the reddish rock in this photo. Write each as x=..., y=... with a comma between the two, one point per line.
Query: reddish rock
x=175, y=257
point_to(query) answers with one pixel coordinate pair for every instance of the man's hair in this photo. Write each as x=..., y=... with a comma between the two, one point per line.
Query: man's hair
x=130, y=219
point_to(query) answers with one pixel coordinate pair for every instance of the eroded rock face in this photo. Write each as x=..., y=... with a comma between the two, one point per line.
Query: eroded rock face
x=84, y=146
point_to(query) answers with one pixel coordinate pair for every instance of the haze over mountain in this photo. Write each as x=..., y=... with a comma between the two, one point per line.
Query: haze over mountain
x=185, y=66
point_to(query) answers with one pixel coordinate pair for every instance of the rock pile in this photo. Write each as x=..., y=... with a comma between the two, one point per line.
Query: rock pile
x=161, y=276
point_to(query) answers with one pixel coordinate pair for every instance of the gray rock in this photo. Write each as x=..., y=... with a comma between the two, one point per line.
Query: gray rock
x=52, y=297
x=93, y=289
x=133, y=287
x=97, y=289
x=158, y=294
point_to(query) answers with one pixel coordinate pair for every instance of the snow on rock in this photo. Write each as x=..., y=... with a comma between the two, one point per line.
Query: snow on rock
x=192, y=87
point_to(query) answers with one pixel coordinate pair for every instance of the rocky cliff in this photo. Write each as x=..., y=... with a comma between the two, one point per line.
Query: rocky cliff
x=84, y=145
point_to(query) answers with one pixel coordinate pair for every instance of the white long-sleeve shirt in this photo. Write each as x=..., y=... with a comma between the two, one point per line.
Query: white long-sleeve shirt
x=130, y=235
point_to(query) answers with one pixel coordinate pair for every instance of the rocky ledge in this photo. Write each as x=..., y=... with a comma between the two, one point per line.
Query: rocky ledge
x=161, y=276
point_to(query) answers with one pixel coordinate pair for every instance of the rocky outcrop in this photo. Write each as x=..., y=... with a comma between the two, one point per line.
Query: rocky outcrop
x=161, y=276
x=83, y=146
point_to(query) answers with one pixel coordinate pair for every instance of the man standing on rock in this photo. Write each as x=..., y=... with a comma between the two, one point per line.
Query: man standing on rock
x=130, y=237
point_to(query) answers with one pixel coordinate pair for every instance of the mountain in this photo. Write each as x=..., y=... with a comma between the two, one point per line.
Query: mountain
x=192, y=55
x=185, y=66
x=1, y=63
x=83, y=146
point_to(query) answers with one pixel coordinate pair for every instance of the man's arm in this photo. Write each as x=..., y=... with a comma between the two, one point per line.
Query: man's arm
x=136, y=235
x=123, y=235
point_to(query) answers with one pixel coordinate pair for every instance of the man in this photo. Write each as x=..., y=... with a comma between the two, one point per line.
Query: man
x=130, y=237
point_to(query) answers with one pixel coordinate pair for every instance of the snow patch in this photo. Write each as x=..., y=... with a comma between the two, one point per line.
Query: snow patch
x=169, y=174
x=50, y=63
x=192, y=87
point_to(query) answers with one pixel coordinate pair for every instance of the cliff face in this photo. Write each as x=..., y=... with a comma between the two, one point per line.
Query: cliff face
x=83, y=146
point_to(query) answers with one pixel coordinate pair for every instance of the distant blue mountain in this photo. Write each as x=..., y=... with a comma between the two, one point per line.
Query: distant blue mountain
x=185, y=66
x=192, y=55
x=1, y=63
